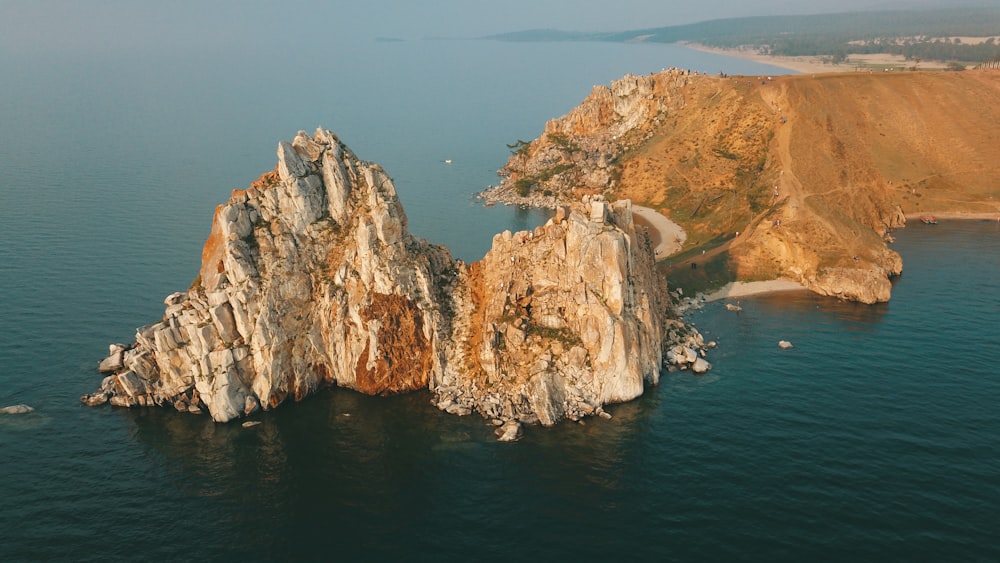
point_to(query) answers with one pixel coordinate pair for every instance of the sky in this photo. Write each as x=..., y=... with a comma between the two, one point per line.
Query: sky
x=96, y=25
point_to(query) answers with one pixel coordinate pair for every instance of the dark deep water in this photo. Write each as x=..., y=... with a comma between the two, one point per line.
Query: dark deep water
x=877, y=437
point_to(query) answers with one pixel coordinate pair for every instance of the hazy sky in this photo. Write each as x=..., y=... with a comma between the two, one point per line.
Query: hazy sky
x=73, y=25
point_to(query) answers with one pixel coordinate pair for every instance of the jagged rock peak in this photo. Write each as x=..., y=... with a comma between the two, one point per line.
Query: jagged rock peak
x=310, y=278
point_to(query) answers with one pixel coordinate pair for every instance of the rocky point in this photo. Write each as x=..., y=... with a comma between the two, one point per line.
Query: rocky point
x=310, y=278
x=791, y=177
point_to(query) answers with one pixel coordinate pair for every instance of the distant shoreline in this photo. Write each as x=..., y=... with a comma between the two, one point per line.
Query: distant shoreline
x=804, y=65
x=814, y=64
x=957, y=215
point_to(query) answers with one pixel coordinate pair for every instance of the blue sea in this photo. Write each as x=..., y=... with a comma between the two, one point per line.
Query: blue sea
x=876, y=438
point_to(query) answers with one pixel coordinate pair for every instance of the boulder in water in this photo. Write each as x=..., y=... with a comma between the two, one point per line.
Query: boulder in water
x=509, y=432
x=700, y=366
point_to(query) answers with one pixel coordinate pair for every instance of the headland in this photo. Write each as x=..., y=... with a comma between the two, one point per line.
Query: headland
x=800, y=177
x=311, y=279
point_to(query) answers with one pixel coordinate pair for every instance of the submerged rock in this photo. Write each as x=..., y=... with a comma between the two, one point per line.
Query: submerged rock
x=784, y=344
x=509, y=432
x=16, y=409
x=310, y=278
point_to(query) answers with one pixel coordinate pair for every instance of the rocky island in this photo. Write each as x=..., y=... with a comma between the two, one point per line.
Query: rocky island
x=310, y=278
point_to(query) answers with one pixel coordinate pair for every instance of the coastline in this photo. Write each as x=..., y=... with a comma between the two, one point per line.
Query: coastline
x=804, y=65
x=668, y=237
x=744, y=289
x=814, y=64
x=663, y=229
x=737, y=289
x=955, y=215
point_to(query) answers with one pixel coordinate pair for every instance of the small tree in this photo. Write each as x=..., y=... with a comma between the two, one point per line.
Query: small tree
x=520, y=147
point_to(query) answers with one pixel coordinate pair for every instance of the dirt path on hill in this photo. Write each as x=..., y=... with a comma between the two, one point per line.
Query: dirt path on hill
x=789, y=187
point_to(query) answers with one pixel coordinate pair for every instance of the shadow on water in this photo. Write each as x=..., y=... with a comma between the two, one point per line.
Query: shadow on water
x=851, y=315
x=23, y=422
x=371, y=466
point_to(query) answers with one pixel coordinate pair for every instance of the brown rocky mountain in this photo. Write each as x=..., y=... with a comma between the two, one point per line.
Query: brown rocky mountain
x=813, y=171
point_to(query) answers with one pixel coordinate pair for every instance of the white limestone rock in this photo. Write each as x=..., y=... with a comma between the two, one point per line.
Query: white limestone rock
x=290, y=165
x=115, y=361
x=16, y=409
x=310, y=278
x=131, y=384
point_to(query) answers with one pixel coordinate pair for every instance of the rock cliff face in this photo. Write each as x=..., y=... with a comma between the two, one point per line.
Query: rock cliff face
x=814, y=171
x=576, y=154
x=559, y=321
x=310, y=278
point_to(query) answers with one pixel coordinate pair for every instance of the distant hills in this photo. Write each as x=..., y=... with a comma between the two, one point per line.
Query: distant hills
x=916, y=34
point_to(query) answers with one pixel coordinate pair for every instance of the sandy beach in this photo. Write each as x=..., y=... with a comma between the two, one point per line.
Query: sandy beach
x=815, y=65
x=804, y=65
x=733, y=290
x=668, y=237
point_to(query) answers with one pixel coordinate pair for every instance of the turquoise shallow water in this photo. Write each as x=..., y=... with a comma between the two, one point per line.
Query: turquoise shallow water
x=875, y=438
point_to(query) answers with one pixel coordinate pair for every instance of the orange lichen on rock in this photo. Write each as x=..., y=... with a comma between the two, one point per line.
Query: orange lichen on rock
x=474, y=340
x=265, y=180
x=212, y=253
x=215, y=247
x=403, y=356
